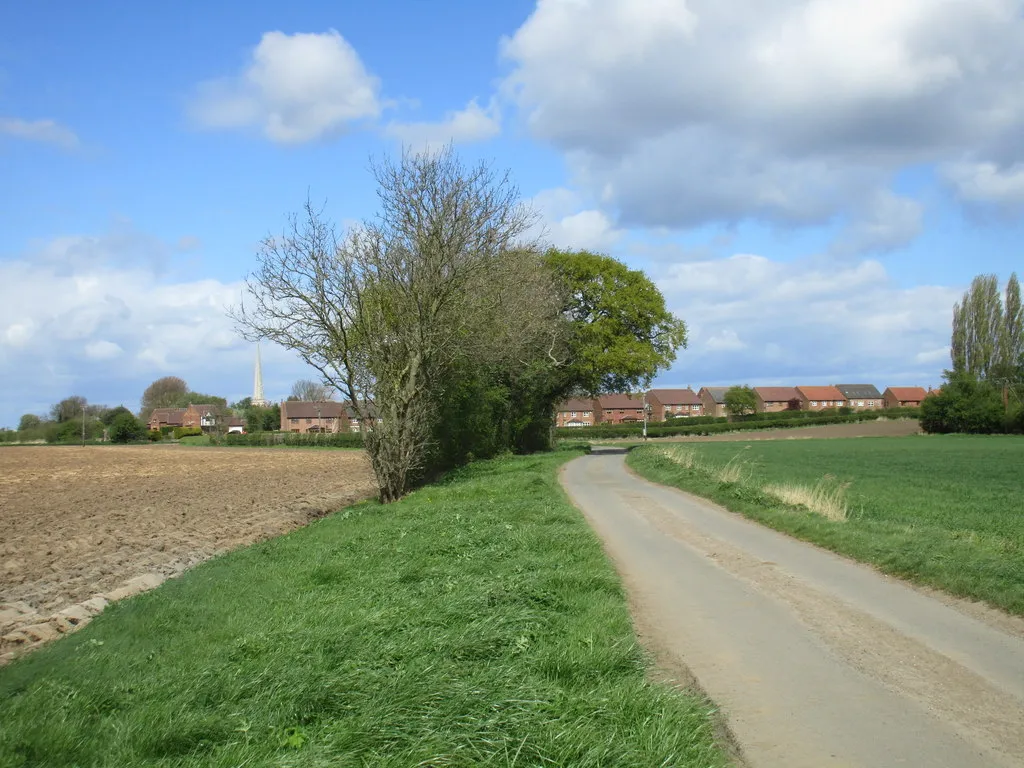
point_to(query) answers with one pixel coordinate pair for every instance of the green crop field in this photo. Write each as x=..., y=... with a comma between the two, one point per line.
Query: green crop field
x=474, y=623
x=946, y=511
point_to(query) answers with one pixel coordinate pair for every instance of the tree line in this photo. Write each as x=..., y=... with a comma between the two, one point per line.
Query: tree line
x=984, y=389
x=451, y=331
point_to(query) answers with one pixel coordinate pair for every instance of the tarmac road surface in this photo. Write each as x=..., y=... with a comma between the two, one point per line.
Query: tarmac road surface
x=815, y=660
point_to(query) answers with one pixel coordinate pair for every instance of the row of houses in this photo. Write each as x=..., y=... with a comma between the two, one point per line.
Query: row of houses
x=662, y=404
x=204, y=416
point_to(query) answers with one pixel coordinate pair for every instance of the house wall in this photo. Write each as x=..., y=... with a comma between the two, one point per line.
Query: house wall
x=586, y=418
x=807, y=404
x=304, y=425
x=771, y=406
x=711, y=408
x=619, y=415
x=866, y=403
x=891, y=402
x=660, y=410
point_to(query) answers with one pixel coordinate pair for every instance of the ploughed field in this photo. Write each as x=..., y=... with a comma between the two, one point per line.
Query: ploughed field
x=76, y=522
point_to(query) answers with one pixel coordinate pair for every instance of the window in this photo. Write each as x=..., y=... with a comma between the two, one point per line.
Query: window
x=573, y=414
x=309, y=421
x=295, y=421
x=814, y=403
x=586, y=413
x=860, y=403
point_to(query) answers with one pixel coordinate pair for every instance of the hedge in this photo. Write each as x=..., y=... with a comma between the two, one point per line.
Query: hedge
x=180, y=432
x=683, y=427
x=266, y=439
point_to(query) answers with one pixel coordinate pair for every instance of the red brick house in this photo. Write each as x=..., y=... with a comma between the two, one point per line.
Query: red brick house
x=674, y=403
x=204, y=416
x=619, y=409
x=775, y=399
x=904, y=397
x=575, y=412
x=861, y=397
x=820, y=398
x=713, y=400
x=166, y=417
x=302, y=416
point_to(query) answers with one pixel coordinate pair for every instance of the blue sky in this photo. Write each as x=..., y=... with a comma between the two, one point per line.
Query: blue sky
x=812, y=186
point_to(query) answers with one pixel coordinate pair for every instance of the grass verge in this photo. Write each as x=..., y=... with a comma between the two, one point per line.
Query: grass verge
x=945, y=511
x=475, y=623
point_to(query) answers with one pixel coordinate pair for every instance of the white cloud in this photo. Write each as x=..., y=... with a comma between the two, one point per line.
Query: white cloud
x=725, y=340
x=566, y=223
x=885, y=222
x=682, y=112
x=46, y=131
x=295, y=88
x=72, y=305
x=761, y=321
x=102, y=350
x=474, y=123
x=987, y=182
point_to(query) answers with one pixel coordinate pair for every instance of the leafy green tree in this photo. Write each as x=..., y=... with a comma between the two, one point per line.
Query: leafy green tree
x=68, y=409
x=965, y=404
x=109, y=414
x=263, y=419
x=988, y=331
x=125, y=428
x=739, y=401
x=165, y=392
x=29, y=421
x=621, y=332
x=242, y=405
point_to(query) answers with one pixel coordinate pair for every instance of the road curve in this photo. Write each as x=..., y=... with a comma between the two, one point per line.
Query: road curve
x=816, y=660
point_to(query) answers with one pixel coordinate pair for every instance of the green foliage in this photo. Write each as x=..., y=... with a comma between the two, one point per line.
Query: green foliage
x=68, y=409
x=622, y=334
x=474, y=623
x=109, y=414
x=965, y=404
x=29, y=421
x=712, y=425
x=259, y=419
x=739, y=401
x=939, y=510
x=71, y=431
x=180, y=432
x=125, y=428
x=294, y=439
x=988, y=331
x=154, y=435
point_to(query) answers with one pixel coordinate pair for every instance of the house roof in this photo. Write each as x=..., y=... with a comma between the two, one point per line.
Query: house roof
x=620, y=400
x=576, y=404
x=169, y=415
x=821, y=393
x=717, y=393
x=908, y=393
x=777, y=394
x=859, y=391
x=299, y=409
x=675, y=396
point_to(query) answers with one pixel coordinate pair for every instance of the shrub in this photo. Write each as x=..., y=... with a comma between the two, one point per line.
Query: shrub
x=264, y=439
x=125, y=428
x=180, y=432
x=155, y=435
x=964, y=405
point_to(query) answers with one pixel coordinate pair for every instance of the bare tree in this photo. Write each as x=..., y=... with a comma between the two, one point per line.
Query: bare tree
x=162, y=393
x=307, y=390
x=440, y=278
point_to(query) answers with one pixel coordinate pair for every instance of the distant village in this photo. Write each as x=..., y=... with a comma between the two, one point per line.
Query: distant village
x=667, y=404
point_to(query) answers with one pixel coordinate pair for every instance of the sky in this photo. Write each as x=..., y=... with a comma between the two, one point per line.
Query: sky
x=812, y=185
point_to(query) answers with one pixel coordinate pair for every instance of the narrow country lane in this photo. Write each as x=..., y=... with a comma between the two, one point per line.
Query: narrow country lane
x=816, y=660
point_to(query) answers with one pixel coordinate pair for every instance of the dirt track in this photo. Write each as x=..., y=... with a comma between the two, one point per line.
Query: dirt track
x=76, y=522
x=816, y=660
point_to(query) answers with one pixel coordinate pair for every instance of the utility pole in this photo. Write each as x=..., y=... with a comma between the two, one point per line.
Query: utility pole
x=645, y=417
x=83, y=426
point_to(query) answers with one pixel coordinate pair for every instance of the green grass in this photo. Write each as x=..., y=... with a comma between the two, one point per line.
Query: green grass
x=475, y=623
x=946, y=511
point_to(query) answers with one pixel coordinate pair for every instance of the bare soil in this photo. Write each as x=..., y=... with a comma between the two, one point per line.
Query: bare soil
x=76, y=523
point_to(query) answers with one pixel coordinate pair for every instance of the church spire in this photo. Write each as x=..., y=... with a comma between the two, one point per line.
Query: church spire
x=257, y=387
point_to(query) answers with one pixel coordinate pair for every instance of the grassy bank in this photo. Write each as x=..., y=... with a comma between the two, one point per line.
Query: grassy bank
x=476, y=623
x=945, y=511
